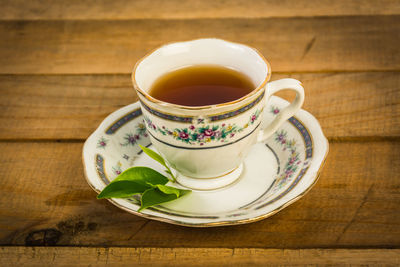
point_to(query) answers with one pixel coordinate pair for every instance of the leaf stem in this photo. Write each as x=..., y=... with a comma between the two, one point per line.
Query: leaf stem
x=168, y=170
x=170, y=173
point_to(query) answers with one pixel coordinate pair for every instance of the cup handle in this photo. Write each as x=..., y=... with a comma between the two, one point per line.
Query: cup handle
x=287, y=112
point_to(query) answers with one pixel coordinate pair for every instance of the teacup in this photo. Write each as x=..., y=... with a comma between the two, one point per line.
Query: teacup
x=206, y=145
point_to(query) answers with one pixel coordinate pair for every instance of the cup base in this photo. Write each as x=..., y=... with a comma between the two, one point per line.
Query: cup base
x=208, y=184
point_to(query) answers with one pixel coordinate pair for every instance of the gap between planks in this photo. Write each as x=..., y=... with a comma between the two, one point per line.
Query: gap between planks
x=274, y=72
x=153, y=256
x=176, y=9
x=344, y=139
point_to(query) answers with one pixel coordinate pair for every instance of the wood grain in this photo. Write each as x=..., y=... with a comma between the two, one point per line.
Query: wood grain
x=65, y=65
x=292, y=45
x=45, y=200
x=114, y=256
x=36, y=107
x=175, y=9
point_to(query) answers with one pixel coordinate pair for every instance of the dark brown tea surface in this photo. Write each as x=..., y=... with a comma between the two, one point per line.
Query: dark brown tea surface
x=201, y=85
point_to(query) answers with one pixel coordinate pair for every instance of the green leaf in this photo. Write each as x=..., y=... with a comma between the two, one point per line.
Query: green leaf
x=152, y=154
x=168, y=189
x=145, y=181
x=142, y=175
x=153, y=197
x=121, y=189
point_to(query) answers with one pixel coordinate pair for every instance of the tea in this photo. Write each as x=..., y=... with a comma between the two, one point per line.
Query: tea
x=201, y=85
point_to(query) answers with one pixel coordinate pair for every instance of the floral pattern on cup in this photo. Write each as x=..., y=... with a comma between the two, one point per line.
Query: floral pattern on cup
x=202, y=134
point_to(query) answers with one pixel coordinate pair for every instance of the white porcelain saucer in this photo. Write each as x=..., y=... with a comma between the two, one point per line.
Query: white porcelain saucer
x=275, y=173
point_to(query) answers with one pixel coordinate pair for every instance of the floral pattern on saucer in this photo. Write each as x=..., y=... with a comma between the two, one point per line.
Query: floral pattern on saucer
x=102, y=143
x=292, y=162
x=130, y=139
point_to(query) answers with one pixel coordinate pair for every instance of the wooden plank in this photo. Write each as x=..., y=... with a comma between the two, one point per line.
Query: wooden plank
x=114, y=256
x=175, y=9
x=291, y=45
x=36, y=107
x=44, y=200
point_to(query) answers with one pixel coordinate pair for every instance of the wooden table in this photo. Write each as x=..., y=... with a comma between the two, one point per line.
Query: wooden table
x=65, y=65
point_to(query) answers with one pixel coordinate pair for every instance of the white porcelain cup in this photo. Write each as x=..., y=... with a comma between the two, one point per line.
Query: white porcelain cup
x=206, y=145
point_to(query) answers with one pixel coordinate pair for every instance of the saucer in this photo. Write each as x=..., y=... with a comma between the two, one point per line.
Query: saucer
x=275, y=173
